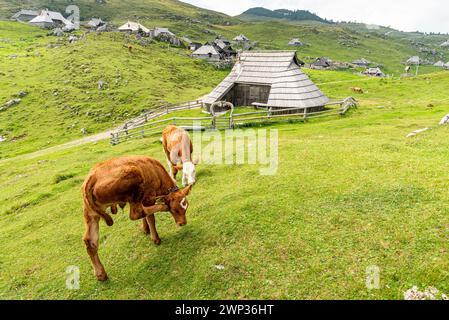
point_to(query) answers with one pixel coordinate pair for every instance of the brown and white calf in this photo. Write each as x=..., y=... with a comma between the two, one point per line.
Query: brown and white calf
x=140, y=181
x=178, y=149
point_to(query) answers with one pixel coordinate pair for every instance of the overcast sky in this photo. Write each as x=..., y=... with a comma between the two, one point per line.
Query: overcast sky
x=406, y=15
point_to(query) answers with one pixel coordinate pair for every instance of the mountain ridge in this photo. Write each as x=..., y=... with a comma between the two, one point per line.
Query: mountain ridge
x=260, y=13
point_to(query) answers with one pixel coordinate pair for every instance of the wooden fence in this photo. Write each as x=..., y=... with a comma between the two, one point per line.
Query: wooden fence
x=161, y=111
x=148, y=126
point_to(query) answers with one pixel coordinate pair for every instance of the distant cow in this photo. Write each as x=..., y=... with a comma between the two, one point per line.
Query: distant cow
x=357, y=90
x=178, y=149
x=140, y=181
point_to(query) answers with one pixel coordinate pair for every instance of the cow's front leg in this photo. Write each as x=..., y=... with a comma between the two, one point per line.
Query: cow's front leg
x=174, y=170
x=151, y=221
x=145, y=226
x=90, y=238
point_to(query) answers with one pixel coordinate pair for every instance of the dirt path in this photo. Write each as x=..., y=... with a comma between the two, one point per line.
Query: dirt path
x=68, y=145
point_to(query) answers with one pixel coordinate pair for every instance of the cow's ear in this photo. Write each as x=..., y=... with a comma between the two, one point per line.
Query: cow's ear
x=186, y=191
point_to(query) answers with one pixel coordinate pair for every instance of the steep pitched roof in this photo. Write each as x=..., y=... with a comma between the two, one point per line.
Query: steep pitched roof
x=445, y=44
x=414, y=60
x=374, y=72
x=295, y=42
x=362, y=61
x=56, y=16
x=46, y=16
x=322, y=62
x=241, y=37
x=43, y=17
x=133, y=27
x=290, y=87
x=26, y=13
x=95, y=22
x=221, y=43
x=158, y=31
x=207, y=49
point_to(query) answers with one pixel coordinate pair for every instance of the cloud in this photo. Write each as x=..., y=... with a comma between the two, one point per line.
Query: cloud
x=407, y=15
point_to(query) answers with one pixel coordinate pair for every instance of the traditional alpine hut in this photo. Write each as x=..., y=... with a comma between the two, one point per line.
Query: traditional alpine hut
x=295, y=43
x=241, y=38
x=95, y=23
x=25, y=15
x=225, y=48
x=374, y=72
x=210, y=52
x=133, y=27
x=269, y=79
x=439, y=64
x=361, y=62
x=415, y=60
x=160, y=32
x=221, y=39
x=43, y=20
x=322, y=64
x=193, y=46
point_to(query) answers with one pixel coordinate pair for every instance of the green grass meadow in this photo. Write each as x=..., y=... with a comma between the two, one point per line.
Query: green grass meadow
x=350, y=192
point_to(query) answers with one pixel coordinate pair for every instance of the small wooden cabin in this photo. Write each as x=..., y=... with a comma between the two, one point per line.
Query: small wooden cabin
x=271, y=79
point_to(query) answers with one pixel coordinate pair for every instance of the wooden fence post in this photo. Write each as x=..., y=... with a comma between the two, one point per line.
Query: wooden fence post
x=142, y=132
x=114, y=139
x=305, y=114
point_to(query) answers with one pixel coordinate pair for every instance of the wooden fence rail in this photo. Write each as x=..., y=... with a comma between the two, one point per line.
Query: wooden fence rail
x=150, y=126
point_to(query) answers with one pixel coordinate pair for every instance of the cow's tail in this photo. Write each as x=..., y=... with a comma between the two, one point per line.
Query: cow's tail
x=89, y=201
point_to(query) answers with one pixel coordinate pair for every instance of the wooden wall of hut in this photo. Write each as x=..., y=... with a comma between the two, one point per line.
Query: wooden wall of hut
x=244, y=94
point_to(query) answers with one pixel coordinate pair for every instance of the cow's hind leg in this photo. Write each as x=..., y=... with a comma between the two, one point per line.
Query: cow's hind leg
x=151, y=221
x=91, y=240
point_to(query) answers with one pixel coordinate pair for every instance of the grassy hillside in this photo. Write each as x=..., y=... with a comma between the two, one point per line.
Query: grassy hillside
x=61, y=80
x=349, y=193
x=114, y=10
x=342, y=42
x=334, y=41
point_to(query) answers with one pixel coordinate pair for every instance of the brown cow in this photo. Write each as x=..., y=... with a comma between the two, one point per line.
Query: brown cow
x=357, y=90
x=178, y=149
x=140, y=181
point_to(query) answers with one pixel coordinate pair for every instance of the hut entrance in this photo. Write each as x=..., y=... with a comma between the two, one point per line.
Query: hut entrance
x=246, y=94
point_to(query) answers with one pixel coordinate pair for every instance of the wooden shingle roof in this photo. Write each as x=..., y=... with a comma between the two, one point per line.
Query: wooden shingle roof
x=290, y=87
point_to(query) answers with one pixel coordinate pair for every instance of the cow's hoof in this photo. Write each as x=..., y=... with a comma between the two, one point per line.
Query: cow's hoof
x=102, y=277
x=157, y=241
x=145, y=230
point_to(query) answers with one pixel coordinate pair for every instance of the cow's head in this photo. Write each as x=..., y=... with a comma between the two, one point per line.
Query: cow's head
x=176, y=203
x=188, y=173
